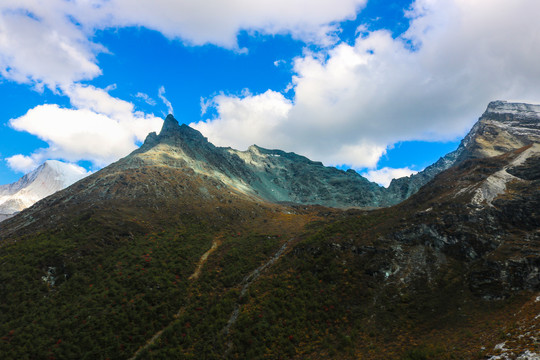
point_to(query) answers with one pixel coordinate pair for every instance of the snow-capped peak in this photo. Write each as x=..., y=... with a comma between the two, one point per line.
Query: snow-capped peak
x=48, y=178
x=67, y=173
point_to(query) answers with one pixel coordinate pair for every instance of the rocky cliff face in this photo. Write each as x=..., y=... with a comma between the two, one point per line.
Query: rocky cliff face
x=483, y=212
x=503, y=127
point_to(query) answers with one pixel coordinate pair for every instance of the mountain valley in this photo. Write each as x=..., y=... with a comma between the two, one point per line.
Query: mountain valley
x=184, y=250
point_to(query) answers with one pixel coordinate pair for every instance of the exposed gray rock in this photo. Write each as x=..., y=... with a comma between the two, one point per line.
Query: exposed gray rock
x=502, y=128
x=279, y=176
x=272, y=175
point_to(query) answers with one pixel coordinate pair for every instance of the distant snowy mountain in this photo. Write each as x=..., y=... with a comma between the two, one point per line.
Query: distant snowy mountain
x=47, y=179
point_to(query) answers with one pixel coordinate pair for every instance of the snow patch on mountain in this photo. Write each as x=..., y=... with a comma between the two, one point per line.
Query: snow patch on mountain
x=515, y=109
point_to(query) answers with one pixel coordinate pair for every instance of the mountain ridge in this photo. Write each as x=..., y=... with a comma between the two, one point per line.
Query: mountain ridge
x=277, y=176
x=264, y=176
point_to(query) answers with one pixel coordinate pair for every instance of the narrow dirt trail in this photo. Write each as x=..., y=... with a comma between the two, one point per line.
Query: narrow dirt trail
x=246, y=282
x=215, y=244
x=204, y=257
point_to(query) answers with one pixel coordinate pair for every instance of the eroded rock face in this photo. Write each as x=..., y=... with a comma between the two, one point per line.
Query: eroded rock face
x=485, y=213
x=502, y=128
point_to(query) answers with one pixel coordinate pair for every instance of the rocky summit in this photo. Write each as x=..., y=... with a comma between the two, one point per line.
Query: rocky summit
x=184, y=250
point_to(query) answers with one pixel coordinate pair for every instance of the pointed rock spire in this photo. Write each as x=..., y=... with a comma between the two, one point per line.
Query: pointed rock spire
x=170, y=126
x=173, y=133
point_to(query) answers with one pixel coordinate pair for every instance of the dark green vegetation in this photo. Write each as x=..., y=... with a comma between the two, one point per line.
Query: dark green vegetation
x=84, y=293
x=327, y=296
x=106, y=299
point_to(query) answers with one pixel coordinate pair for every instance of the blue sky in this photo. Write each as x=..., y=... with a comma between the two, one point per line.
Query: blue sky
x=384, y=87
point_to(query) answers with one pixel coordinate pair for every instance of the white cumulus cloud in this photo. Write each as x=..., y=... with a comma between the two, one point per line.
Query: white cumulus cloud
x=100, y=128
x=40, y=45
x=351, y=101
x=247, y=120
x=218, y=22
x=52, y=44
x=355, y=100
x=23, y=163
x=385, y=175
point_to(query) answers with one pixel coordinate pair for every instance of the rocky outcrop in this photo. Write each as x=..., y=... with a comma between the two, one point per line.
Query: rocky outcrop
x=503, y=127
x=470, y=214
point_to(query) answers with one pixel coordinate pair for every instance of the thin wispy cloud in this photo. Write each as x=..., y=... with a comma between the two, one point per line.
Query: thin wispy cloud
x=161, y=94
x=147, y=99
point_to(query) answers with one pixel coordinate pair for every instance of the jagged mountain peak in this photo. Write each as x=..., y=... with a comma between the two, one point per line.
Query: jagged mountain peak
x=43, y=181
x=171, y=128
x=277, y=175
x=503, y=127
x=504, y=110
x=173, y=133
